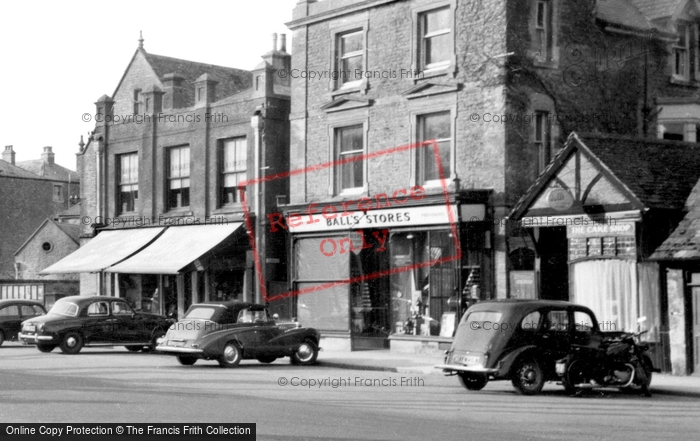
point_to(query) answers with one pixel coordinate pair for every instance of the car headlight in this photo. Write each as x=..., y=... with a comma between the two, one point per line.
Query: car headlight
x=40, y=327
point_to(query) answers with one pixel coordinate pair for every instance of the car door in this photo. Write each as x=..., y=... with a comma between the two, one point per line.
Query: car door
x=555, y=334
x=97, y=324
x=10, y=321
x=252, y=333
x=585, y=329
x=128, y=328
x=269, y=331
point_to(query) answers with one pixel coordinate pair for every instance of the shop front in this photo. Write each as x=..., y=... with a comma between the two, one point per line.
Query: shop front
x=164, y=270
x=596, y=196
x=390, y=277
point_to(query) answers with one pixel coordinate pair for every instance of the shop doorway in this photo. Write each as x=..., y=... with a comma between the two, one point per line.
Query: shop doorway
x=695, y=300
x=554, y=267
x=369, y=298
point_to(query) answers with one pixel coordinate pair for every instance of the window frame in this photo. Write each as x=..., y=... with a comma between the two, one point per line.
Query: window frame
x=417, y=41
x=340, y=56
x=416, y=135
x=169, y=178
x=686, y=48
x=336, y=85
x=58, y=196
x=138, y=95
x=222, y=173
x=119, y=184
x=543, y=143
x=336, y=152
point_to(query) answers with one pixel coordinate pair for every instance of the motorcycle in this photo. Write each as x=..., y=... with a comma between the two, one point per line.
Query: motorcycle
x=620, y=361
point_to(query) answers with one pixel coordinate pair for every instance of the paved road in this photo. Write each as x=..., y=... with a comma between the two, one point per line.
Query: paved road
x=113, y=385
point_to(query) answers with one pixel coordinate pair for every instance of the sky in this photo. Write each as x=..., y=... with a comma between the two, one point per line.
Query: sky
x=58, y=57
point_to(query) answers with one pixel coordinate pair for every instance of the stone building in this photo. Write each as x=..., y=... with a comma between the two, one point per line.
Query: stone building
x=494, y=86
x=162, y=171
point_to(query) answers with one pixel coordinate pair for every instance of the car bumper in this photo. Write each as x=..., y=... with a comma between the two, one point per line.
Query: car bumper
x=179, y=350
x=460, y=368
x=32, y=338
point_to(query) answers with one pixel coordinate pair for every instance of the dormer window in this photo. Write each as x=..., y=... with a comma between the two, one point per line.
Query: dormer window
x=681, y=53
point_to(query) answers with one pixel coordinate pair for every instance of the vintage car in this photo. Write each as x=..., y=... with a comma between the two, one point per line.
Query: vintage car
x=231, y=331
x=13, y=312
x=517, y=340
x=77, y=321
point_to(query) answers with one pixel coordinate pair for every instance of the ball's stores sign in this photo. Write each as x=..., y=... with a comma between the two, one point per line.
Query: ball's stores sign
x=608, y=229
x=560, y=199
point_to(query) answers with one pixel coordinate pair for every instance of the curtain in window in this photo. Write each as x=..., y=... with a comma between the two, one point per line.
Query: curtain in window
x=609, y=288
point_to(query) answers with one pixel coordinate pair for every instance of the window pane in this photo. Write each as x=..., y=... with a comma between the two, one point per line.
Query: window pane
x=352, y=69
x=437, y=21
x=436, y=127
x=350, y=142
x=682, y=41
x=541, y=14
x=351, y=43
x=351, y=173
x=437, y=49
x=350, y=139
x=9, y=311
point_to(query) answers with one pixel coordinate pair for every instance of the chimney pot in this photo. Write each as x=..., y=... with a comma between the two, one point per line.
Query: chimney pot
x=48, y=155
x=274, y=41
x=283, y=42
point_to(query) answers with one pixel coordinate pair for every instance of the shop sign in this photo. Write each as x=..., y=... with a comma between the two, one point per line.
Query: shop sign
x=383, y=218
x=611, y=228
x=560, y=199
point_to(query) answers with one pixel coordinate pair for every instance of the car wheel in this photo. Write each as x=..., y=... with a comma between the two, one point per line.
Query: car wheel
x=528, y=378
x=158, y=333
x=305, y=354
x=71, y=343
x=133, y=348
x=231, y=356
x=473, y=381
x=573, y=374
x=2, y=338
x=45, y=348
x=266, y=359
x=186, y=360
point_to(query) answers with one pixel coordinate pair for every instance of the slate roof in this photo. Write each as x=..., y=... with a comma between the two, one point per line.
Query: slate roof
x=661, y=174
x=7, y=169
x=73, y=211
x=622, y=12
x=654, y=9
x=53, y=171
x=684, y=242
x=230, y=81
x=72, y=230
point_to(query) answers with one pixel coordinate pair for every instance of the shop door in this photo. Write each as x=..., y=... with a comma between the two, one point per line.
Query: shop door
x=696, y=328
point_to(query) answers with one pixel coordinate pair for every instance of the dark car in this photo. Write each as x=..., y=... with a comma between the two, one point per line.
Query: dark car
x=232, y=331
x=13, y=312
x=518, y=340
x=77, y=321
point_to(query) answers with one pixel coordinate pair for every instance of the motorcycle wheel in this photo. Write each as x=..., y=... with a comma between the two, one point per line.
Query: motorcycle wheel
x=573, y=375
x=473, y=381
x=642, y=382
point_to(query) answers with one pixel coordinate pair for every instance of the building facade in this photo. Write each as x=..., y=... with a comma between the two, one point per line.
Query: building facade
x=162, y=172
x=462, y=103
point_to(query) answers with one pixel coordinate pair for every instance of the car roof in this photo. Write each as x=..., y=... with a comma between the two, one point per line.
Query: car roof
x=231, y=304
x=523, y=305
x=82, y=300
x=19, y=302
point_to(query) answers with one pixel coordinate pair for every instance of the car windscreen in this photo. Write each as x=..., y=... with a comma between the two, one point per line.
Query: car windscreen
x=64, y=308
x=477, y=330
x=204, y=313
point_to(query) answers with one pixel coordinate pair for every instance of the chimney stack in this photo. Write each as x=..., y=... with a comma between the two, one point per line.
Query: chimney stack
x=48, y=155
x=283, y=42
x=9, y=155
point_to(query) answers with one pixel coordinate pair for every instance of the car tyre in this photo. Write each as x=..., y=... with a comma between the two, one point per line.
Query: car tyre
x=158, y=333
x=473, y=381
x=71, y=343
x=231, y=355
x=133, y=348
x=45, y=348
x=305, y=354
x=186, y=360
x=528, y=377
x=266, y=360
x=2, y=338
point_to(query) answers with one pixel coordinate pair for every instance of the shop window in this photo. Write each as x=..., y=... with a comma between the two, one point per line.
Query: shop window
x=435, y=39
x=349, y=148
x=350, y=53
x=234, y=165
x=437, y=128
x=178, y=178
x=128, y=185
x=543, y=139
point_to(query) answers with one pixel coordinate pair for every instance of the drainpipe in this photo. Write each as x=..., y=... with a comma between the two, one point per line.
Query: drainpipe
x=257, y=123
x=98, y=198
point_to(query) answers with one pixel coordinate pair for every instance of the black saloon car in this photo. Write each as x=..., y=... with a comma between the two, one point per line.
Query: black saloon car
x=517, y=340
x=77, y=321
x=13, y=312
x=231, y=331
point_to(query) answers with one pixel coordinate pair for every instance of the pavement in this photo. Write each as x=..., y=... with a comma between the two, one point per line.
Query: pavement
x=385, y=360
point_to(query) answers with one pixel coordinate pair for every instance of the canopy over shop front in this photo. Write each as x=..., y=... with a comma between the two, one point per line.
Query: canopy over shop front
x=176, y=248
x=103, y=251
